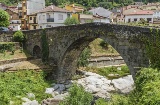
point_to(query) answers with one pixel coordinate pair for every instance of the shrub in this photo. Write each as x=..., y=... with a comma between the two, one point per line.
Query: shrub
x=78, y=96
x=147, y=87
x=71, y=21
x=16, y=85
x=104, y=44
x=83, y=59
x=18, y=36
x=6, y=46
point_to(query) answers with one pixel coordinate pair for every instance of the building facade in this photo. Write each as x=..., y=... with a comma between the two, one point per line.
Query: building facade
x=26, y=7
x=15, y=22
x=52, y=16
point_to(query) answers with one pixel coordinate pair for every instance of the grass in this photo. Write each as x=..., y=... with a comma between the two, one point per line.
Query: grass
x=106, y=71
x=97, y=50
x=14, y=86
x=18, y=54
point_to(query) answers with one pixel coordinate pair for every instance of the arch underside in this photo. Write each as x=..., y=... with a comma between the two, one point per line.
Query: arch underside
x=133, y=55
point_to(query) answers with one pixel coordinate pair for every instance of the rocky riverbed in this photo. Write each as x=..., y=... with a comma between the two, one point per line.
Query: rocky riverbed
x=96, y=84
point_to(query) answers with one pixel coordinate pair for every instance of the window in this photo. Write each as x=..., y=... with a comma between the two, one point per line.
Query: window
x=129, y=20
x=22, y=22
x=149, y=20
x=40, y=26
x=30, y=18
x=43, y=17
x=60, y=17
x=34, y=27
x=24, y=13
x=40, y=17
x=68, y=15
x=135, y=19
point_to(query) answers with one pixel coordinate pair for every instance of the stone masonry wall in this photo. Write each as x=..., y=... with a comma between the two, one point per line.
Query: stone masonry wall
x=67, y=42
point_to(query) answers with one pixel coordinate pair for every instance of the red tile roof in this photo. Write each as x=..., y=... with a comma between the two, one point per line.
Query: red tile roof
x=142, y=12
x=53, y=8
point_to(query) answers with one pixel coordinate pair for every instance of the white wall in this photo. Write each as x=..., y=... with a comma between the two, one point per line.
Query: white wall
x=15, y=27
x=15, y=21
x=156, y=14
x=59, y=19
x=102, y=20
x=34, y=5
x=132, y=17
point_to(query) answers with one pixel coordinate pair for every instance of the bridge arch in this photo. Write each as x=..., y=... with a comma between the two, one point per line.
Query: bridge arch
x=37, y=51
x=133, y=54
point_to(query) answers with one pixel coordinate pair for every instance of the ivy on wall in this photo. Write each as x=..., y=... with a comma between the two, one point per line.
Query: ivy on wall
x=152, y=47
x=45, y=46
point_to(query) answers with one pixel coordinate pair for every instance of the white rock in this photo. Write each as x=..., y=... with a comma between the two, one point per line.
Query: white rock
x=31, y=95
x=123, y=85
x=34, y=102
x=92, y=89
x=49, y=90
x=60, y=96
x=25, y=99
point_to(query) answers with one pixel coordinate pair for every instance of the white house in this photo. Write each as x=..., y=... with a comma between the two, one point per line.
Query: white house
x=101, y=15
x=156, y=14
x=97, y=18
x=136, y=16
x=52, y=16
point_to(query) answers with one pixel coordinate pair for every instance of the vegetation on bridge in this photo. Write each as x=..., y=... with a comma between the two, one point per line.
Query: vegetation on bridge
x=45, y=46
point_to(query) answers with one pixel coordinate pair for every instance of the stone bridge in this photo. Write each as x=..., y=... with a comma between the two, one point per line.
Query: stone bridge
x=67, y=42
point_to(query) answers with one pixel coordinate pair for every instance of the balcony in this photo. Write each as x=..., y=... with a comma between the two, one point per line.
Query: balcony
x=20, y=17
x=50, y=20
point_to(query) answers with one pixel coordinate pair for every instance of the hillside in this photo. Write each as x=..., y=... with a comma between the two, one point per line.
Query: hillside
x=108, y=4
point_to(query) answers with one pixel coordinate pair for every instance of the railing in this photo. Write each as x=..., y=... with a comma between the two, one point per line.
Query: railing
x=50, y=20
x=20, y=17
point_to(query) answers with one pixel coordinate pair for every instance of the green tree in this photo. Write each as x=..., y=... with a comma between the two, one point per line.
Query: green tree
x=4, y=18
x=71, y=21
x=18, y=36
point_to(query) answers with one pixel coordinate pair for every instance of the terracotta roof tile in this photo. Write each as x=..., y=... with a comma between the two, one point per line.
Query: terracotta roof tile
x=142, y=12
x=53, y=8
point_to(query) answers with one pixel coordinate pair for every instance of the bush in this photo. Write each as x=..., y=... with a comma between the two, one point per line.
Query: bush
x=71, y=21
x=18, y=36
x=83, y=59
x=147, y=87
x=16, y=85
x=104, y=44
x=78, y=96
x=9, y=46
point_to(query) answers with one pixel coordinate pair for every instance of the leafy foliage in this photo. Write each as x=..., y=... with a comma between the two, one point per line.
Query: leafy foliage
x=9, y=46
x=116, y=71
x=83, y=59
x=146, y=91
x=71, y=21
x=18, y=36
x=45, y=47
x=77, y=96
x=104, y=44
x=4, y=18
x=14, y=86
